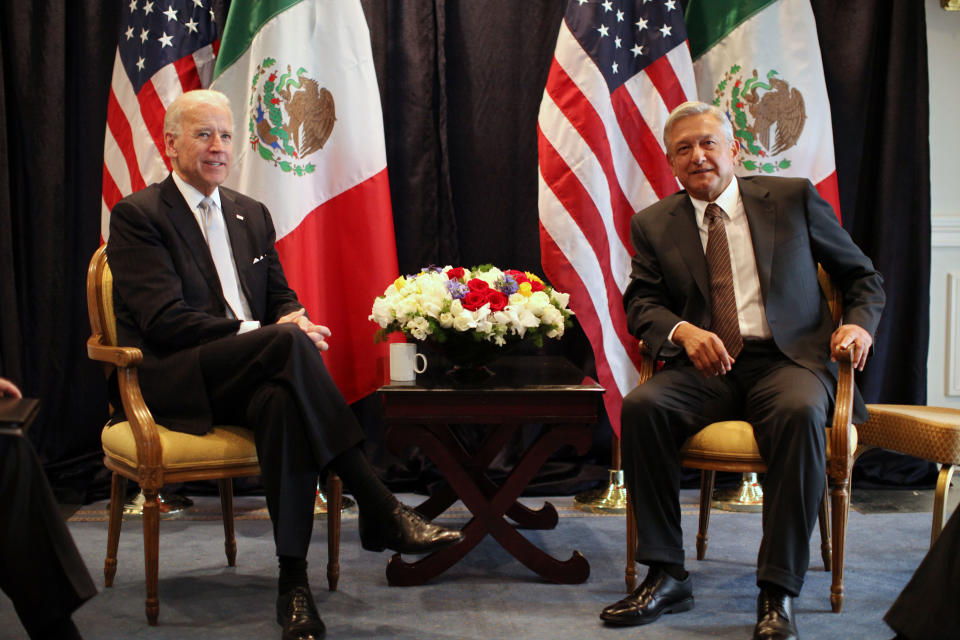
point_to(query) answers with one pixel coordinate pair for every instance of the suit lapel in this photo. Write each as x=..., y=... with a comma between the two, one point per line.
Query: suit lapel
x=186, y=225
x=686, y=235
x=761, y=214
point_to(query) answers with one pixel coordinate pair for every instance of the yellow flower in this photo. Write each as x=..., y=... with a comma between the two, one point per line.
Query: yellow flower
x=400, y=283
x=533, y=276
x=525, y=289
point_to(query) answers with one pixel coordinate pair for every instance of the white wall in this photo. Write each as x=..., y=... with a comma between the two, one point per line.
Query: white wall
x=943, y=364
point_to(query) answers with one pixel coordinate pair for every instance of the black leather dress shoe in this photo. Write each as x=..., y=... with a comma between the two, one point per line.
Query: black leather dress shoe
x=405, y=531
x=774, y=617
x=659, y=593
x=297, y=614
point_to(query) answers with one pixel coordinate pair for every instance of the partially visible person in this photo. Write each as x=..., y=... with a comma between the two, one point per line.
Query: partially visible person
x=41, y=570
x=928, y=608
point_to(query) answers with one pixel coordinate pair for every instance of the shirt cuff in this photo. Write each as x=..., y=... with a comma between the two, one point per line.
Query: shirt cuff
x=248, y=325
x=672, y=331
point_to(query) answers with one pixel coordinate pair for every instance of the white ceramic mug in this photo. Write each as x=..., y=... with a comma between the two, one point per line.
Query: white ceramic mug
x=404, y=360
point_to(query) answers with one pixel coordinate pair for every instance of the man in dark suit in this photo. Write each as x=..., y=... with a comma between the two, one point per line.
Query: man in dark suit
x=746, y=334
x=40, y=568
x=200, y=290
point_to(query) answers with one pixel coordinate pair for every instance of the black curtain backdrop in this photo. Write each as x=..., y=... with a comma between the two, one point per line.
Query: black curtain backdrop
x=460, y=84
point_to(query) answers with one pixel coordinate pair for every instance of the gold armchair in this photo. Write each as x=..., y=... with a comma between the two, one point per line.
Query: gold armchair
x=141, y=450
x=731, y=446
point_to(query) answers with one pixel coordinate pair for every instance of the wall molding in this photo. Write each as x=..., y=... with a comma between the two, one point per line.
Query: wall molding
x=953, y=334
x=945, y=231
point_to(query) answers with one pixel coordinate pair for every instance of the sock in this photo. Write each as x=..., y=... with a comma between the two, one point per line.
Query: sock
x=775, y=589
x=675, y=571
x=371, y=494
x=293, y=573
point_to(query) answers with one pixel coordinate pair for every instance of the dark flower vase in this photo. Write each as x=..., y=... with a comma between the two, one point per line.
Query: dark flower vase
x=469, y=356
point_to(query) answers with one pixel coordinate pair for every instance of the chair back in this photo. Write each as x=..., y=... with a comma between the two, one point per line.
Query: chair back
x=103, y=321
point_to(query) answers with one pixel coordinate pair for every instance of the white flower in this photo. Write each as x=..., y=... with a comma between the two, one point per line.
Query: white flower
x=419, y=328
x=554, y=319
x=446, y=320
x=382, y=312
x=537, y=302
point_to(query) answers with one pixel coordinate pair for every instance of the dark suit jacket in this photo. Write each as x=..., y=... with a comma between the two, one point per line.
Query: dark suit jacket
x=792, y=229
x=167, y=294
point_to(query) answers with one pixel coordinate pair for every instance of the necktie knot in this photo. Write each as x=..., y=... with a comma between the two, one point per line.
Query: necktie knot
x=713, y=212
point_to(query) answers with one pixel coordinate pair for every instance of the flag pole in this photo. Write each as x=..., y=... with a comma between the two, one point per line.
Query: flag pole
x=613, y=497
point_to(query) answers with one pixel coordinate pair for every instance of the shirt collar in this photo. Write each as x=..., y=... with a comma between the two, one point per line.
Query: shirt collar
x=728, y=200
x=192, y=195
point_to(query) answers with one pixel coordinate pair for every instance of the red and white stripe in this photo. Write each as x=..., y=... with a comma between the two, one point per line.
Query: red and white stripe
x=601, y=159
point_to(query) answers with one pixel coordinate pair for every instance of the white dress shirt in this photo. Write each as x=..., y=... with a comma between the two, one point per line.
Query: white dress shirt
x=743, y=262
x=193, y=198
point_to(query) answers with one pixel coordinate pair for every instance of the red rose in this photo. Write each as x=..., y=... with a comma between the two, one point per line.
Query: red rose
x=455, y=274
x=473, y=300
x=536, y=286
x=519, y=276
x=476, y=284
x=496, y=299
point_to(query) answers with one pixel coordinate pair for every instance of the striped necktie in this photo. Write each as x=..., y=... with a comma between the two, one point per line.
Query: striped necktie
x=725, y=322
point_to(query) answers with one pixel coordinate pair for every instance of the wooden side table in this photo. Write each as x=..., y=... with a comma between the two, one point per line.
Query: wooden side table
x=523, y=390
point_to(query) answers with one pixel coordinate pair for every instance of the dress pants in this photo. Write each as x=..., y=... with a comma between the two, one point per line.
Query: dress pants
x=40, y=568
x=788, y=407
x=274, y=380
x=927, y=608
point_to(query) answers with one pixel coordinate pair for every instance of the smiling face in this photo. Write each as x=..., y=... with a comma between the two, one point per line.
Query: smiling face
x=701, y=157
x=201, y=149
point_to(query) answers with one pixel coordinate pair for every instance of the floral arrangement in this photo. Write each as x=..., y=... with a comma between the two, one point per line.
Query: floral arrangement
x=450, y=304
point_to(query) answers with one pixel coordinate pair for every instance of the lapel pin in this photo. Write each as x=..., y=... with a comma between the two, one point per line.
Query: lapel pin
x=239, y=217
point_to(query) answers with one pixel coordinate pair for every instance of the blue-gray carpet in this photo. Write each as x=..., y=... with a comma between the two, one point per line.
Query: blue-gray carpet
x=488, y=595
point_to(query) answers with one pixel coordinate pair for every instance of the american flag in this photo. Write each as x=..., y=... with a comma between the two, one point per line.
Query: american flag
x=165, y=49
x=619, y=68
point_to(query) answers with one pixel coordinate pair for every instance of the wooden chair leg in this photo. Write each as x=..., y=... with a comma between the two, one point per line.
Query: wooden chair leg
x=630, y=574
x=151, y=551
x=940, y=501
x=334, y=506
x=840, y=504
x=226, y=509
x=707, y=479
x=825, y=548
x=118, y=490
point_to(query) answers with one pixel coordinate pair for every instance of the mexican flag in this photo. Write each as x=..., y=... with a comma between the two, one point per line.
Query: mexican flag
x=759, y=61
x=308, y=143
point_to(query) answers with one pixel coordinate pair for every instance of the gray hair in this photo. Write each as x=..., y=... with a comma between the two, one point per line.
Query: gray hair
x=174, y=115
x=689, y=109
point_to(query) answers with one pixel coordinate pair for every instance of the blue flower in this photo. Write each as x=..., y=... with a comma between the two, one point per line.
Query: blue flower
x=457, y=289
x=506, y=285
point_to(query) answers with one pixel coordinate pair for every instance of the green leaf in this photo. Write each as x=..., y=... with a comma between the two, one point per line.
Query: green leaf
x=768, y=167
x=265, y=152
x=750, y=165
x=784, y=164
x=286, y=166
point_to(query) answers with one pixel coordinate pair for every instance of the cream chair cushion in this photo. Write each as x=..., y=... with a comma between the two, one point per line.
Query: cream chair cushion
x=730, y=438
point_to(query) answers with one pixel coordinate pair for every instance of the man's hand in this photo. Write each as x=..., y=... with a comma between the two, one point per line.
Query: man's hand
x=704, y=348
x=317, y=332
x=854, y=337
x=7, y=388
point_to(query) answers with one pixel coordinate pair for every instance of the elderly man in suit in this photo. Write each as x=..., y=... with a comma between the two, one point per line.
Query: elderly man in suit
x=724, y=289
x=200, y=290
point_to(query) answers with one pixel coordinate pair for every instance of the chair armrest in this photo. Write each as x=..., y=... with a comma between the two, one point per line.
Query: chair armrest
x=117, y=356
x=149, y=449
x=841, y=431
